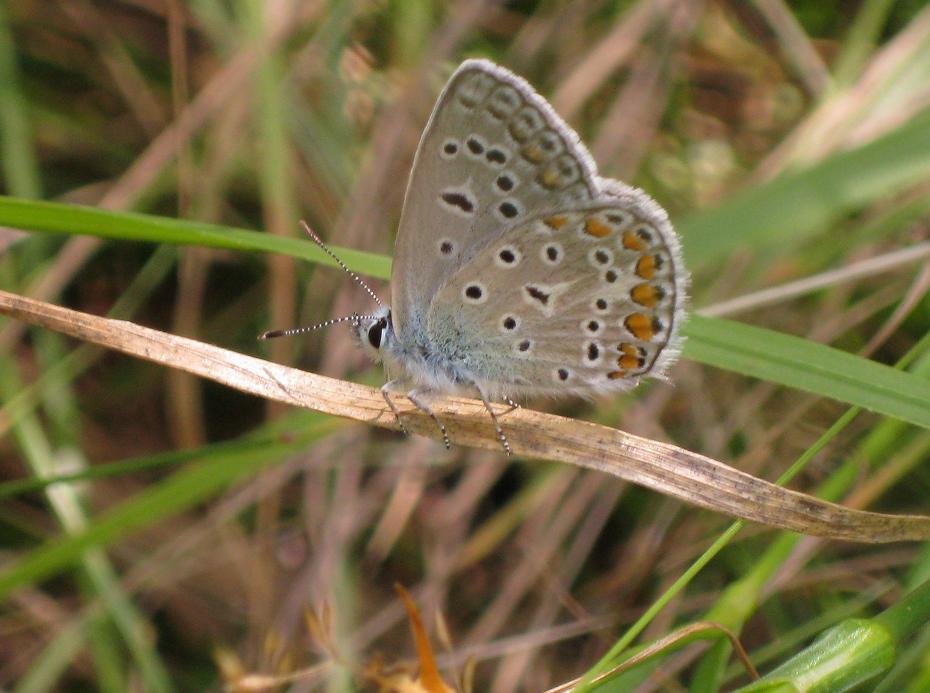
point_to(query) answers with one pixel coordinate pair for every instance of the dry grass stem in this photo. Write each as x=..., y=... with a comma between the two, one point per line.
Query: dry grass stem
x=894, y=260
x=662, y=644
x=676, y=472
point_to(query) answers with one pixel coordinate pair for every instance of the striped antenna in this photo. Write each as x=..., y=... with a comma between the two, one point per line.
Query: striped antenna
x=355, y=318
x=357, y=279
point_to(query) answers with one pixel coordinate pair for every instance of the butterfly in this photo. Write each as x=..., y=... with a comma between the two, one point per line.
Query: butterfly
x=519, y=271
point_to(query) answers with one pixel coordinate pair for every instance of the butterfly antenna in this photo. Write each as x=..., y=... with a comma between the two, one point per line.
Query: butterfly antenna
x=357, y=279
x=355, y=318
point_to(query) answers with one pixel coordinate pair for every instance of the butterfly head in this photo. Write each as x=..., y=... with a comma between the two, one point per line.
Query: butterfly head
x=374, y=333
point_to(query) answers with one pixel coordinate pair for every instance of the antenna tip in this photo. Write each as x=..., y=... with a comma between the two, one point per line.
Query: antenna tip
x=270, y=334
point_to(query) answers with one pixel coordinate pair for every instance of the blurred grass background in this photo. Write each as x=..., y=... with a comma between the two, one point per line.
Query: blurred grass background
x=784, y=138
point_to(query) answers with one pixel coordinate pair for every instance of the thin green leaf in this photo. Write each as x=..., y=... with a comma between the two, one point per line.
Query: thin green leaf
x=170, y=497
x=797, y=204
x=808, y=366
x=17, y=156
x=733, y=346
x=32, y=215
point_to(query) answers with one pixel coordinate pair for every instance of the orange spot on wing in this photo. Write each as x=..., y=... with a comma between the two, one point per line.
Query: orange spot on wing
x=555, y=223
x=616, y=375
x=595, y=227
x=633, y=242
x=645, y=295
x=532, y=153
x=550, y=178
x=640, y=326
x=628, y=362
x=631, y=356
x=646, y=266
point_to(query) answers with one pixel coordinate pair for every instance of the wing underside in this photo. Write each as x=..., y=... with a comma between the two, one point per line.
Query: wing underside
x=582, y=301
x=492, y=153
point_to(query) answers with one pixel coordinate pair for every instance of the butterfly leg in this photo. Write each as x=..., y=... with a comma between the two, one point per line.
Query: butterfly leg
x=497, y=427
x=389, y=387
x=414, y=396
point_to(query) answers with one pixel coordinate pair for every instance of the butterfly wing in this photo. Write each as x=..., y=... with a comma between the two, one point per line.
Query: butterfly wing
x=581, y=300
x=492, y=151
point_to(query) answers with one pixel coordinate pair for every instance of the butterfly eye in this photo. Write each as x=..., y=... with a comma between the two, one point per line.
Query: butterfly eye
x=375, y=333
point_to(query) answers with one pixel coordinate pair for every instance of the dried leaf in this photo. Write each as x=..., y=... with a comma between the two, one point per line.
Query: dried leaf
x=429, y=673
x=660, y=466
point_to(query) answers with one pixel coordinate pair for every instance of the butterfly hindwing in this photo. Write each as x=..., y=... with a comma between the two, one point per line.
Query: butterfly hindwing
x=492, y=153
x=581, y=300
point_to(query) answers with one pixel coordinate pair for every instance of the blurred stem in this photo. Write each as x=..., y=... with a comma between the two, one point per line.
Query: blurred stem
x=278, y=211
x=65, y=501
x=852, y=652
x=185, y=392
x=58, y=400
x=908, y=614
x=278, y=204
x=845, y=656
x=741, y=598
x=64, y=418
x=104, y=646
x=17, y=157
x=861, y=40
x=206, y=477
x=49, y=665
x=18, y=165
x=72, y=364
x=910, y=672
x=51, y=386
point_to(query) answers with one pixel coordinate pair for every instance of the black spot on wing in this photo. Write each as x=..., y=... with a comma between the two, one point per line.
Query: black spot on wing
x=536, y=293
x=459, y=200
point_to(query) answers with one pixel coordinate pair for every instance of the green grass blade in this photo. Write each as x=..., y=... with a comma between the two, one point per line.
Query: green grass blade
x=101, y=578
x=733, y=346
x=32, y=215
x=854, y=651
x=17, y=158
x=797, y=204
x=170, y=497
x=860, y=40
x=15, y=487
x=50, y=665
x=808, y=366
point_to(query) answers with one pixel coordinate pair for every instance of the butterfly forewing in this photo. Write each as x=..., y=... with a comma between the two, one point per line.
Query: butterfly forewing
x=586, y=299
x=492, y=153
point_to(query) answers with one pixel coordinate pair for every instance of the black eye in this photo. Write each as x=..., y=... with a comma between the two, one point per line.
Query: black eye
x=375, y=332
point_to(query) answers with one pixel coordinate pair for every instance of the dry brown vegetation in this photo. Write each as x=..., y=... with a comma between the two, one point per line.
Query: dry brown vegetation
x=213, y=535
